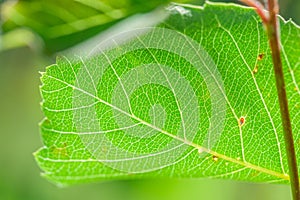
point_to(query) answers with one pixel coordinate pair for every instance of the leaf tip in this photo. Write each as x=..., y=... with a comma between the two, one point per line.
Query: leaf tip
x=41, y=104
x=35, y=153
x=41, y=73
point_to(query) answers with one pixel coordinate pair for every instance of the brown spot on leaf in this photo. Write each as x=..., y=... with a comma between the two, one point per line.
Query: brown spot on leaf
x=260, y=56
x=215, y=158
x=242, y=121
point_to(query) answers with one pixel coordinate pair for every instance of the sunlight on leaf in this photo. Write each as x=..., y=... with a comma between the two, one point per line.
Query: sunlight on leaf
x=192, y=97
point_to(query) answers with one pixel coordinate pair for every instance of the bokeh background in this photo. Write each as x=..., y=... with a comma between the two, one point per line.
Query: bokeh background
x=33, y=32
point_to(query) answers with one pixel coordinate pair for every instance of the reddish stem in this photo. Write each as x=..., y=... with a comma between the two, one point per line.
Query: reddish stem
x=259, y=9
x=270, y=21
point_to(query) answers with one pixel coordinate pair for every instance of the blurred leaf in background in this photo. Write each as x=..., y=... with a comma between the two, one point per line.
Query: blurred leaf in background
x=62, y=24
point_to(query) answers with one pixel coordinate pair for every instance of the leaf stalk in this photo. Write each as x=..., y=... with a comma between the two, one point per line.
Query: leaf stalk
x=270, y=21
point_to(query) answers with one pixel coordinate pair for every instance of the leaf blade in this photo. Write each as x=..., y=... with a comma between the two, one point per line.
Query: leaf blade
x=240, y=160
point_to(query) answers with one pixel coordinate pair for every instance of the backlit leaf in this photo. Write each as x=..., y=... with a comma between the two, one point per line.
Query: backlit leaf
x=192, y=97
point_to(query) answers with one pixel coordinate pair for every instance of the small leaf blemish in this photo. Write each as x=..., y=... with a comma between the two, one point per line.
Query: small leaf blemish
x=200, y=150
x=260, y=56
x=174, y=9
x=255, y=70
x=242, y=121
x=215, y=158
x=60, y=151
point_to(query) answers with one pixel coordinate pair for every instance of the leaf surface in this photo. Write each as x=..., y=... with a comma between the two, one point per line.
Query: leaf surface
x=193, y=97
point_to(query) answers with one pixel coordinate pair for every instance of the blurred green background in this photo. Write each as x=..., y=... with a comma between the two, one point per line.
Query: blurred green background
x=32, y=34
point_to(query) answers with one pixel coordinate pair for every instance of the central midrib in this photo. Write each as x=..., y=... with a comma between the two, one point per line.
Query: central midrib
x=189, y=143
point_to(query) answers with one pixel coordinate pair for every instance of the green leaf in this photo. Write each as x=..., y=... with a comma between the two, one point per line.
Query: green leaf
x=62, y=24
x=193, y=97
